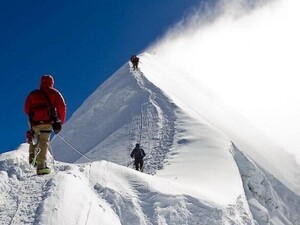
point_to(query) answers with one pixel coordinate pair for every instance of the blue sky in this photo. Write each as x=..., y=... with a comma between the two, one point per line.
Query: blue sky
x=81, y=43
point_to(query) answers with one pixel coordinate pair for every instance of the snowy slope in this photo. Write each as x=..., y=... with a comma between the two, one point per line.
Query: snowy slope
x=164, y=126
x=103, y=193
x=200, y=176
x=199, y=104
x=188, y=140
x=124, y=110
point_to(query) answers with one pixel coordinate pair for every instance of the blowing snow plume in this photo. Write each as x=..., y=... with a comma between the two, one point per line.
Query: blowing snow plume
x=246, y=53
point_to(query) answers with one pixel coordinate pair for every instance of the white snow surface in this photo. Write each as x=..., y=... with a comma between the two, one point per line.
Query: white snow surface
x=103, y=193
x=205, y=163
x=194, y=174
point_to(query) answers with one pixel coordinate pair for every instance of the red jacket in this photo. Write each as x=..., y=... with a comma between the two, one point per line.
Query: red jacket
x=37, y=97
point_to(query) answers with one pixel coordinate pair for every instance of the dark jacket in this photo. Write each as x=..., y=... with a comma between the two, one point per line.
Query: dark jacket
x=137, y=153
x=134, y=59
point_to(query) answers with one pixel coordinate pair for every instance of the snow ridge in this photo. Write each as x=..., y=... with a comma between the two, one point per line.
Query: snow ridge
x=158, y=120
x=127, y=108
x=270, y=201
x=198, y=176
x=103, y=193
x=187, y=141
x=23, y=192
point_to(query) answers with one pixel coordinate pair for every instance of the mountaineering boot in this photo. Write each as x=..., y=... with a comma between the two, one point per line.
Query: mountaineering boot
x=42, y=169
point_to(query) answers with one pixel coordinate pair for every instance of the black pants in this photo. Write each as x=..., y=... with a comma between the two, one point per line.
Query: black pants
x=135, y=66
x=138, y=162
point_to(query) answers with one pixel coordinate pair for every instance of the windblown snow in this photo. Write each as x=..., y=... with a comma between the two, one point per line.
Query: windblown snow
x=205, y=164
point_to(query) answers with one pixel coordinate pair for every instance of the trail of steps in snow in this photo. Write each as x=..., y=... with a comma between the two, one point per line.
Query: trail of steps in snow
x=158, y=120
x=21, y=203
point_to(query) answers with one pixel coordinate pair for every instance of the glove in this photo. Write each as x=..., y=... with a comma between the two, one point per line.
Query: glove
x=29, y=136
x=56, y=126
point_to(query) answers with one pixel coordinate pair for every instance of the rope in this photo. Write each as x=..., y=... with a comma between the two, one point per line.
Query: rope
x=67, y=143
x=37, y=151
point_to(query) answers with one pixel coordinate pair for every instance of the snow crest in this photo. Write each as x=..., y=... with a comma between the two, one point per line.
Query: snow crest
x=125, y=110
x=270, y=201
x=102, y=193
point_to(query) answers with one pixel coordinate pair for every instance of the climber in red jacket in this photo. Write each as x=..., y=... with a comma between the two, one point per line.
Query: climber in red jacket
x=46, y=110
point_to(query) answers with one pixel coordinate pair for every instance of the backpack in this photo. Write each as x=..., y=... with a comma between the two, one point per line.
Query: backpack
x=139, y=153
x=41, y=113
x=41, y=110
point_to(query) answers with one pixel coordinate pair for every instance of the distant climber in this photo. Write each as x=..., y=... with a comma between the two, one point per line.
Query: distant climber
x=135, y=61
x=46, y=110
x=138, y=155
